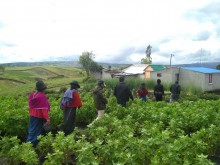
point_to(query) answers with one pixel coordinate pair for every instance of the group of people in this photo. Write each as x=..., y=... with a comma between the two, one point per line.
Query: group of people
x=39, y=106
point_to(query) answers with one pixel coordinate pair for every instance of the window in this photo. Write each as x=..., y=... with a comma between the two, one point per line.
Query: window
x=159, y=75
x=210, y=78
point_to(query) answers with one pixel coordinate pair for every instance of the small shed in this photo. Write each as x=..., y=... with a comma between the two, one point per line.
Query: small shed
x=151, y=68
x=205, y=78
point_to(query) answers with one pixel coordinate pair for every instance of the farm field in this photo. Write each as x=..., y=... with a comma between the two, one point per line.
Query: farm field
x=149, y=132
x=20, y=80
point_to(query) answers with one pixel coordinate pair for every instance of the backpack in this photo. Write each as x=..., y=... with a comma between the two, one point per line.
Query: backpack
x=67, y=99
x=65, y=102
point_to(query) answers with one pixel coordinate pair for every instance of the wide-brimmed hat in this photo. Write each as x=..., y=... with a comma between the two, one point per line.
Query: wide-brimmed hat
x=75, y=83
x=40, y=86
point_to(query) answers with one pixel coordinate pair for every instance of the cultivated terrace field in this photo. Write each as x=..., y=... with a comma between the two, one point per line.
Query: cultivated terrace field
x=149, y=133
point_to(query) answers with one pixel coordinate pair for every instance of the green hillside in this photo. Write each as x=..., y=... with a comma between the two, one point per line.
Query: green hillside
x=19, y=80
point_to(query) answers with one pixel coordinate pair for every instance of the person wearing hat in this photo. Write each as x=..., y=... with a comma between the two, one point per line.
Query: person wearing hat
x=175, y=91
x=158, y=91
x=69, y=111
x=39, y=108
x=122, y=92
x=100, y=100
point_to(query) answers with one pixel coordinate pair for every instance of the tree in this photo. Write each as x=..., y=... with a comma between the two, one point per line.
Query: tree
x=2, y=69
x=147, y=59
x=86, y=60
x=218, y=67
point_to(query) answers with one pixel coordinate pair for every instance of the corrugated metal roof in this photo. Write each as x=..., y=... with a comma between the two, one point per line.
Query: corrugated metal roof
x=157, y=67
x=202, y=69
x=136, y=69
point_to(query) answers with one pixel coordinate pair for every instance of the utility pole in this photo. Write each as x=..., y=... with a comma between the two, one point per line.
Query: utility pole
x=171, y=59
x=171, y=76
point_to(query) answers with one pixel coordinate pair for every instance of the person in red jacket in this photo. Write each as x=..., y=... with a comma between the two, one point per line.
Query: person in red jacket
x=142, y=92
x=39, y=108
x=69, y=112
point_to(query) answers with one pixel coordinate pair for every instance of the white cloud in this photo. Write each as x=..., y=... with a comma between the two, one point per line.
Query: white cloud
x=42, y=29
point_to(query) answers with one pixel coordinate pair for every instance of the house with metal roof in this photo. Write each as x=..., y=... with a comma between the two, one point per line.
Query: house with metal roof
x=204, y=78
x=151, y=68
x=135, y=70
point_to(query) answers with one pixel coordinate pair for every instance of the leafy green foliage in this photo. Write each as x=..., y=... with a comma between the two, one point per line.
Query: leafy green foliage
x=184, y=132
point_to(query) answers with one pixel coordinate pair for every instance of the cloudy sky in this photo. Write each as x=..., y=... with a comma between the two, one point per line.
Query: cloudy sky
x=116, y=31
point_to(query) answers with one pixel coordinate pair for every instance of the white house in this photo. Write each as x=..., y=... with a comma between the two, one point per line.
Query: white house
x=136, y=70
x=205, y=78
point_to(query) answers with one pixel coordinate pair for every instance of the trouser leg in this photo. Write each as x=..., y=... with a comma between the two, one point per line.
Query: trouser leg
x=35, y=129
x=100, y=113
x=69, y=120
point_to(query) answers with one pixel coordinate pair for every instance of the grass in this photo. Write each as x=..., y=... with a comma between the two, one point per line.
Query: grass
x=54, y=77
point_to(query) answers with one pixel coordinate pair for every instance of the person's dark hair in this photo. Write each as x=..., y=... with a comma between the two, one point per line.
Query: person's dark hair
x=158, y=81
x=121, y=79
x=40, y=86
x=142, y=85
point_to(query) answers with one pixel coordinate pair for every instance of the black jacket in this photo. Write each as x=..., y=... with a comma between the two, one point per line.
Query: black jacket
x=158, y=90
x=122, y=92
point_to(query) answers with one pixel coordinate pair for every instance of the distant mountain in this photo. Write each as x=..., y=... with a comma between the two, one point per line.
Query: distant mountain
x=211, y=65
x=45, y=63
x=74, y=64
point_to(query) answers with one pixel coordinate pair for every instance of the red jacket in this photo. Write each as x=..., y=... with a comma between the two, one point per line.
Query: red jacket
x=76, y=101
x=38, y=105
x=142, y=92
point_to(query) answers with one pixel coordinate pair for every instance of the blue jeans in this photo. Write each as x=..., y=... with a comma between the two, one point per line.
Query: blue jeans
x=35, y=129
x=144, y=98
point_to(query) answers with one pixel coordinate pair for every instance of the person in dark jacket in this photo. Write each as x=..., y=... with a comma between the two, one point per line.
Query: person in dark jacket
x=100, y=100
x=122, y=92
x=175, y=91
x=69, y=112
x=158, y=91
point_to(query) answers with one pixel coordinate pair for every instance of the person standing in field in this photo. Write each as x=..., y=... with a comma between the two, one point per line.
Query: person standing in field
x=39, y=108
x=122, y=92
x=69, y=103
x=100, y=100
x=175, y=91
x=158, y=91
x=142, y=92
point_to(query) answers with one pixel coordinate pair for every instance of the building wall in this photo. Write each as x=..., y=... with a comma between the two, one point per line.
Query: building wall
x=215, y=82
x=97, y=75
x=147, y=72
x=199, y=79
x=106, y=75
x=168, y=75
x=189, y=78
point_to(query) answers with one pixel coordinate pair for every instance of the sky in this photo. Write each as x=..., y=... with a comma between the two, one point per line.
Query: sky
x=116, y=31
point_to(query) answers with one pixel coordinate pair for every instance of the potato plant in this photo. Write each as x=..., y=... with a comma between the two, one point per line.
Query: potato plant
x=150, y=132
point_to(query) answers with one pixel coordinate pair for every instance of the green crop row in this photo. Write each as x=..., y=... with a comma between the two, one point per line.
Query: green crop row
x=142, y=133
